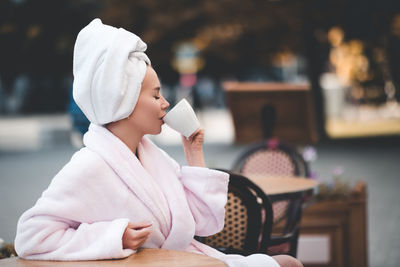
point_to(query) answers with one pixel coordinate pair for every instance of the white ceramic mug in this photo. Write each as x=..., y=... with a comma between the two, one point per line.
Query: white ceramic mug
x=182, y=118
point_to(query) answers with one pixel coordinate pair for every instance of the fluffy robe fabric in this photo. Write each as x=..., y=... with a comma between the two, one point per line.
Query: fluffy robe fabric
x=85, y=210
x=109, y=66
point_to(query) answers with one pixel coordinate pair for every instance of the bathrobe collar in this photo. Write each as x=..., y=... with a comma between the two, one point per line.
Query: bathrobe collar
x=146, y=178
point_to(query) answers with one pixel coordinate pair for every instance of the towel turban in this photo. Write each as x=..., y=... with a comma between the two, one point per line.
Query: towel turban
x=109, y=67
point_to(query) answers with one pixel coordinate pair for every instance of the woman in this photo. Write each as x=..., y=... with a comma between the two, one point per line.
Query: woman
x=121, y=192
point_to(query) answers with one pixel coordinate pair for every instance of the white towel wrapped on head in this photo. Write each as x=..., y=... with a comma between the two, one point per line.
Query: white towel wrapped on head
x=109, y=67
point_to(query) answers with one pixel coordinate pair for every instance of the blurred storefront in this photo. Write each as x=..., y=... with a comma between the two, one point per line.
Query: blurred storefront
x=359, y=101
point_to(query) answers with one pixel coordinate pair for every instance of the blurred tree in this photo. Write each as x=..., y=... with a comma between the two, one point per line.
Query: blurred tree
x=232, y=35
x=37, y=39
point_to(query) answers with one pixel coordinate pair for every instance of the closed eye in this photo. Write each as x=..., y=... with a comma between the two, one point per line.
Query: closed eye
x=157, y=90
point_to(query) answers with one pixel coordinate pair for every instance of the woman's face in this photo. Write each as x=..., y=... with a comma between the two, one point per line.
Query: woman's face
x=150, y=108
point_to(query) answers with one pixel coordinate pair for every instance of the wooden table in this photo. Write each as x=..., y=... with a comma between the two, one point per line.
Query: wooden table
x=143, y=258
x=275, y=185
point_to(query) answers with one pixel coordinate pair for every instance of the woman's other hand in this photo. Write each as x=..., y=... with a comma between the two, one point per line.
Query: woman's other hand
x=193, y=147
x=135, y=235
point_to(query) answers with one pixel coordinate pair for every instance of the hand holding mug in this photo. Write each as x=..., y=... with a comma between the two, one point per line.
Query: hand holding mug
x=182, y=119
x=194, y=142
x=193, y=147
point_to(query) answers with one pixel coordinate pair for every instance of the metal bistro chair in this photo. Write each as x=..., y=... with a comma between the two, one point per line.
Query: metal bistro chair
x=244, y=226
x=285, y=233
x=272, y=158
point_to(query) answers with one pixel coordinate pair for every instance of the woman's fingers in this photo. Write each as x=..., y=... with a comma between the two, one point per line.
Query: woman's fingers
x=198, y=135
x=136, y=238
x=137, y=242
x=135, y=234
x=139, y=225
x=140, y=241
x=199, y=131
x=195, y=133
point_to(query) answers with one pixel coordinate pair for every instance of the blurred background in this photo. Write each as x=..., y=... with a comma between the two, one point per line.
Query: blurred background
x=346, y=51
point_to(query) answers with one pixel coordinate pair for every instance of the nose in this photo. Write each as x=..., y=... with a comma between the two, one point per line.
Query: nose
x=165, y=104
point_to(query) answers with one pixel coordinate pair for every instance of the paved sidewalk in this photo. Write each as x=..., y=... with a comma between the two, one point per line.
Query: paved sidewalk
x=24, y=133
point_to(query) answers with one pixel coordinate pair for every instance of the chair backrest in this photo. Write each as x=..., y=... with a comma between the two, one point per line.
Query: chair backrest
x=271, y=157
x=244, y=226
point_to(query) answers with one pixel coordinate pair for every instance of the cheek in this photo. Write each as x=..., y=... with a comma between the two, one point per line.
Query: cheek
x=147, y=111
x=155, y=108
x=152, y=110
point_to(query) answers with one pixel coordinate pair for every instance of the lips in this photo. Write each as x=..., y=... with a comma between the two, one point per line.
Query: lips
x=161, y=119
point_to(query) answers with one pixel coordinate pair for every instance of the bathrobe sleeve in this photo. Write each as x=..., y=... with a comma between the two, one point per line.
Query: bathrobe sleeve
x=206, y=192
x=62, y=225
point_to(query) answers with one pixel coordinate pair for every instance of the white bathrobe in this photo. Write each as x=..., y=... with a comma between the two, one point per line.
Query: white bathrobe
x=85, y=210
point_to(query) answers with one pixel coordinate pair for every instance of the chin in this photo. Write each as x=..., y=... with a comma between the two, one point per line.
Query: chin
x=155, y=132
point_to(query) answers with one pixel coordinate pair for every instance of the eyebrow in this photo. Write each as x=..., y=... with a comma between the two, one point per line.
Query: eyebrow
x=157, y=89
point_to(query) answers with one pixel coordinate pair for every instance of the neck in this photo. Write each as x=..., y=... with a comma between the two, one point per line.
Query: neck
x=130, y=138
